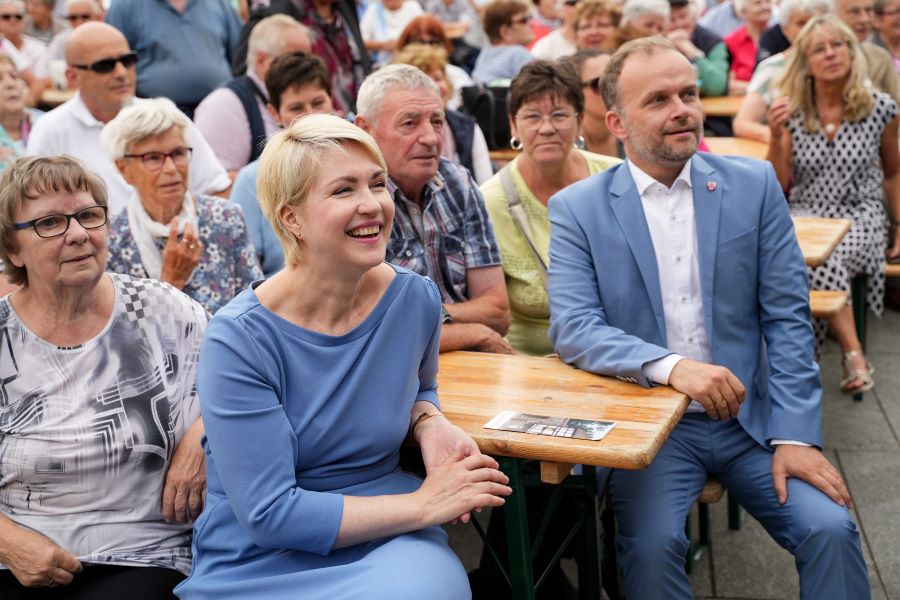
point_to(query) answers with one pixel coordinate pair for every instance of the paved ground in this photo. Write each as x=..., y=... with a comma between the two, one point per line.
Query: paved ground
x=862, y=440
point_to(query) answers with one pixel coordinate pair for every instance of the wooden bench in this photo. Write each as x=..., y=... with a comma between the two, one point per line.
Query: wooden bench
x=712, y=493
x=825, y=303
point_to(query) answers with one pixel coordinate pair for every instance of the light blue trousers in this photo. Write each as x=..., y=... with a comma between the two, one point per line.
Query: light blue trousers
x=651, y=506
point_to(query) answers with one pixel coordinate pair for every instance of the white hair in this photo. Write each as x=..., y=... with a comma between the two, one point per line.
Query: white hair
x=787, y=8
x=635, y=8
x=387, y=79
x=20, y=4
x=95, y=6
x=268, y=36
x=139, y=121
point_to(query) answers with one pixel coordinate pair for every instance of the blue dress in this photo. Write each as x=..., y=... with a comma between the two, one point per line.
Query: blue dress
x=294, y=420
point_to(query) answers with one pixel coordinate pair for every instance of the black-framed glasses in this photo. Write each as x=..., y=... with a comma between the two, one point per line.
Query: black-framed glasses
x=106, y=65
x=17, y=17
x=50, y=226
x=75, y=18
x=594, y=84
x=155, y=160
x=523, y=20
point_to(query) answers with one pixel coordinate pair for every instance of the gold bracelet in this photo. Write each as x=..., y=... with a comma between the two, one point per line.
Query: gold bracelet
x=423, y=417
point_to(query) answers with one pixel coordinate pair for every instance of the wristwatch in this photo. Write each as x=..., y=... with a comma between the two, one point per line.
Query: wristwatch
x=446, y=317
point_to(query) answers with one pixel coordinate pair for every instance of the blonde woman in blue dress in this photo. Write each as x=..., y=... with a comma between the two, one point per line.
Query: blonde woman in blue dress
x=310, y=381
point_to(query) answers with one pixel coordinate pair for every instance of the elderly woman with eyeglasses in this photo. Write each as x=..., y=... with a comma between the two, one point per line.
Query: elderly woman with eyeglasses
x=100, y=428
x=546, y=107
x=596, y=23
x=198, y=244
x=835, y=145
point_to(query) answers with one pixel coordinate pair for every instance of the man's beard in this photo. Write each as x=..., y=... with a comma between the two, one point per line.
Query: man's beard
x=658, y=150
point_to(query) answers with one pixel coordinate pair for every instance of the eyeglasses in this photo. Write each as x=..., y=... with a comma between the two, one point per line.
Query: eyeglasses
x=50, y=226
x=155, y=160
x=571, y=2
x=559, y=119
x=820, y=49
x=106, y=65
x=523, y=20
x=429, y=42
x=594, y=84
x=889, y=13
x=17, y=17
x=73, y=18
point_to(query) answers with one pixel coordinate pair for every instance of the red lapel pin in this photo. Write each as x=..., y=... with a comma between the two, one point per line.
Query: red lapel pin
x=711, y=186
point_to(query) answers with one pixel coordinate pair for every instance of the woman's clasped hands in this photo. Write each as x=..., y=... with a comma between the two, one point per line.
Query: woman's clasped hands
x=459, y=478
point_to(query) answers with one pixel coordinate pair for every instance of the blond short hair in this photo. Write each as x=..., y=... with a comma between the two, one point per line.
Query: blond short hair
x=291, y=162
x=139, y=121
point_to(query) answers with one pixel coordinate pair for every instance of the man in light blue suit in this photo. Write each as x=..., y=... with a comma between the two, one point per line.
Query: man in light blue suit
x=683, y=269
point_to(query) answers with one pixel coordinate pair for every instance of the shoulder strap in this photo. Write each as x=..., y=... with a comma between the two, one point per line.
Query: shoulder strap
x=517, y=210
x=247, y=93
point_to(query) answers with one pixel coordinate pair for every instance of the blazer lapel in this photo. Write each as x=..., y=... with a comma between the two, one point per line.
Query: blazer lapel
x=629, y=212
x=708, y=188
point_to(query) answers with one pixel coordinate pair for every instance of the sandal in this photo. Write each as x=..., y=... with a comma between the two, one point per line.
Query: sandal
x=864, y=375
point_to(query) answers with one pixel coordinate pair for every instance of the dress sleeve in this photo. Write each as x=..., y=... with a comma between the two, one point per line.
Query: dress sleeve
x=429, y=367
x=253, y=446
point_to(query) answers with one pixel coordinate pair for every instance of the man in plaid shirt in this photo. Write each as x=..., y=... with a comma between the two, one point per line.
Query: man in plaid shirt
x=441, y=228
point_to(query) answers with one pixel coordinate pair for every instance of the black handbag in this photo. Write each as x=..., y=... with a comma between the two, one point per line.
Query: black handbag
x=490, y=107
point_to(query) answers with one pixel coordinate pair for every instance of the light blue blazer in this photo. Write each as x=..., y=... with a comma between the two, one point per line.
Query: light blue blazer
x=606, y=311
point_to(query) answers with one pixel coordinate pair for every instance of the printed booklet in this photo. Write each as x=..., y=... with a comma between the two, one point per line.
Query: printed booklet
x=582, y=429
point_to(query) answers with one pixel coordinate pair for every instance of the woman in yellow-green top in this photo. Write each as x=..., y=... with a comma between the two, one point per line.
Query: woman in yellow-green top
x=546, y=106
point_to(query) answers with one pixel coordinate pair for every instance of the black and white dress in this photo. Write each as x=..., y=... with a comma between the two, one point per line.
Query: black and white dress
x=87, y=432
x=843, y=178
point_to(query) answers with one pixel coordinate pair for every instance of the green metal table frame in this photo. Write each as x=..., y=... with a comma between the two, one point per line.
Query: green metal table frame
x=519, y=574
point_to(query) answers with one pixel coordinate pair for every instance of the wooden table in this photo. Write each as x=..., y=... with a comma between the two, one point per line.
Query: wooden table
x=737, y=146
x=818, y=237
x=721, y=106
x=52, y=97
x=475, y=386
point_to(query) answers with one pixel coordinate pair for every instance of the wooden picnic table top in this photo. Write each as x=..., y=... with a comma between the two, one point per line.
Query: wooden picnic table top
x=475, y=386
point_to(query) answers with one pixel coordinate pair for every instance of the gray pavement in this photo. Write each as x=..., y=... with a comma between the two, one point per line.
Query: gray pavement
x=862, y=440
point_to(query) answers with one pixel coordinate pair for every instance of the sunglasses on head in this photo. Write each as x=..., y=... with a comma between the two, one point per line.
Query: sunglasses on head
x=11, y=17
x=594, y=84
x=106, y=65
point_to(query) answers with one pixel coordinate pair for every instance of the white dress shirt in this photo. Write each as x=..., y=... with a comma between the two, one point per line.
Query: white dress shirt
x=70, y=128
x=670, y=218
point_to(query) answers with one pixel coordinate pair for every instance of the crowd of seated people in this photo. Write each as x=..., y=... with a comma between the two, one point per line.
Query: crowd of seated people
x=242, y=222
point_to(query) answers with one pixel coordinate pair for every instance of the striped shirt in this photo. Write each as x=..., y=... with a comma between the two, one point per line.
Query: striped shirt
x=448, y=235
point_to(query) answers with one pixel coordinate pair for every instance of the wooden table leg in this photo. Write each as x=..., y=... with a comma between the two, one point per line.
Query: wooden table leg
x=521, y=571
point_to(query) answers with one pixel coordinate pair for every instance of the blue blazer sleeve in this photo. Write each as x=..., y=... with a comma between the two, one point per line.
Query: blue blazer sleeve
x=579, y=328
x=254, y=448
x=794, y=387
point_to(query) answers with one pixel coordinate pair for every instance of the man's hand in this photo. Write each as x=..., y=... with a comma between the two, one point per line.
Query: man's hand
x=714, y=387
x=473, y=336
x=37, y=562
x=810, y=465
x=182, y=499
